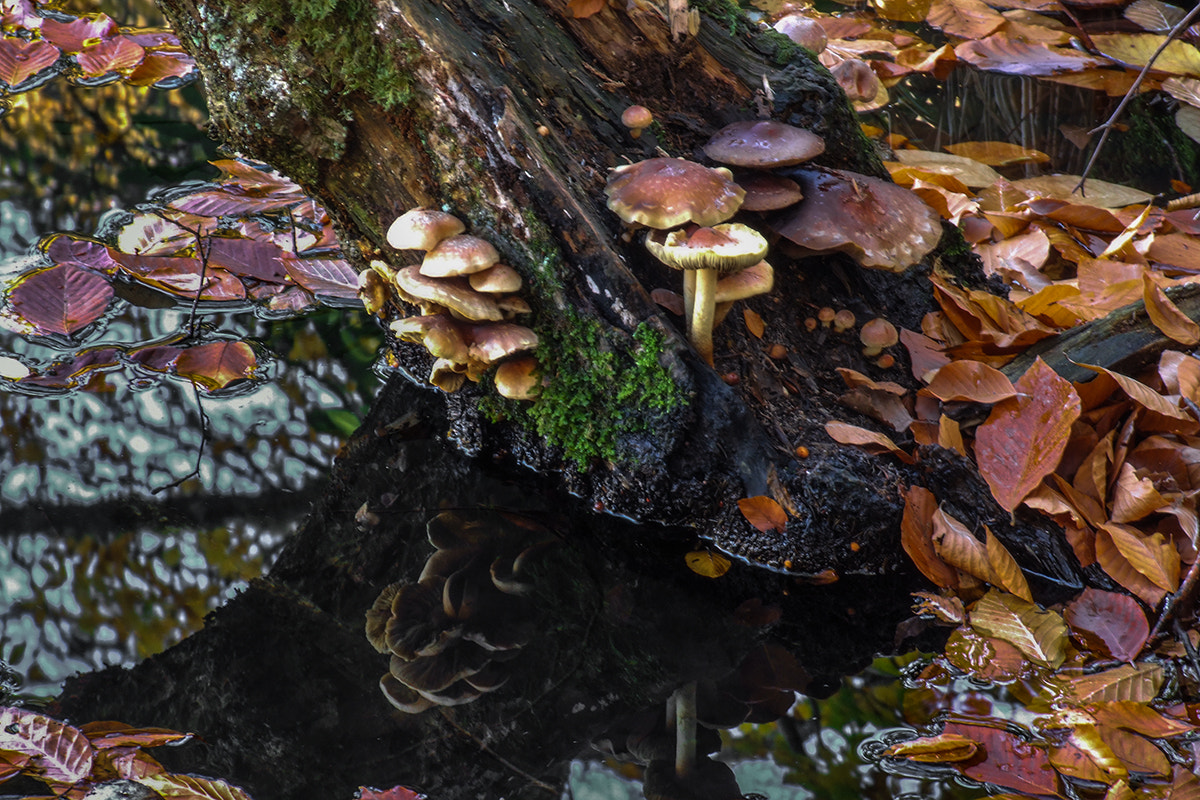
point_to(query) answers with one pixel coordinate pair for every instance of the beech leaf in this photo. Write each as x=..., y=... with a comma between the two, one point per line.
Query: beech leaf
x=1151, y=555
x=1137, y=682
x=1140, y=718
x=192, y=787
x=916, y=536
x=970, y=381
x=60, y=753
x=1006, y=574
x=217, y=364
x=941, y=749
x=1108, y=622
x=1024, y=437
x=1040, y=635
x=1010, y=761
x=763, y=513
x=707, y=563
x=1166, y=316
x=113, y=55
x=104, y=734
x=61, y=299
x=958, y=547
x=20, y=60
x=872, y=442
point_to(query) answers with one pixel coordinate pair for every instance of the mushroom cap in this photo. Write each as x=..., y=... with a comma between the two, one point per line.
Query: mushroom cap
x=490, y=343
x=637, y=117
x=459, y=255
x=857, y=79
x=422, y=229
x=402, y=697
x=447, y=375
x=726, y=248
x=843, y=320
x=763, y=144
x=454, y=294
x=752, y=281
x=876, y=222
x=766, y=191
x=667, y=192
x=804, y=31
x=876, y=335
x=378, y=615
x=519, y=379
x=496, y=279
x=439, y=334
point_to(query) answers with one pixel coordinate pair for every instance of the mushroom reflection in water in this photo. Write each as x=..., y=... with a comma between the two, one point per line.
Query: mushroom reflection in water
x=451, y=633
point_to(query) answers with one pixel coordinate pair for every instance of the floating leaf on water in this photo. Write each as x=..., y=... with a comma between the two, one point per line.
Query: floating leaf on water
x=60, y=753
x=972, y=173
x=114, y=55
x=999, y=53
x=1098, y=193
x=217, y=364
x=763, y=513
x=1135, y=50
x=104, y=734
x=1010, y=761
x=1109, y=623
x=998, y=154
x=1140, y=718
x=324, y=277
x=1041, y=635
x=1153, y=15
x=395, y=793
x=191, y=787
x=1136, y=682
x=941, y=749
x=158, y=67
x=20, y=60
x=61, y=299
x=76, y=34
x=13, y=369
x=66, y=248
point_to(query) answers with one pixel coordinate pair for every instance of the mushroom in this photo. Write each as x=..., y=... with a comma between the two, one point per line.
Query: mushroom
x=453, y=294
x=518, y=379
x=877, y=335
x=664, y=193
x=879, y=224
x=496, y=279
x=706, y=253
x=422, y=229
x=804, y=31
x=637, y=119
x=459, y=255
x=373, y=290
x=857, y=79
x=843, y=320
x=763, y=144
x=766, y=191
x=750, y=282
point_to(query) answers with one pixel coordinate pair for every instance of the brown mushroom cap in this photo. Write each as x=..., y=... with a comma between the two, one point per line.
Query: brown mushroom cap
x=766, y=191
x=667, y=192
x=454, y=294
x=857, y=79
x=752, y=281
x=636, y=118
x=422, y=229
x=763, y=144
x=459, y=255
x=437, y=332
x=804, y=31
x=876, y=335
x=519, y=379
x=490, y=343
x=878, y=223
x=496, y=279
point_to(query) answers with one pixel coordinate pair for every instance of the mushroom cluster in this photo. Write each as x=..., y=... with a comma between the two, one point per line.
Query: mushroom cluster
x=467, y=300
x=879, y=224
x=451, y=634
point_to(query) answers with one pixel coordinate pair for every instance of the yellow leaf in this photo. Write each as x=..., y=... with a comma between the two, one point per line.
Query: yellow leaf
x=941, y=749
x=1135, y=49
x=998, y=154
x=1040, y=635
x=1166, y=316
x=1006, y=574
x=1137, y=682
x=763, y=513
x=706, y=563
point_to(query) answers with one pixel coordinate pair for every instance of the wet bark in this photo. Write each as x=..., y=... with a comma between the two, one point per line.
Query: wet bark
x=512, y=123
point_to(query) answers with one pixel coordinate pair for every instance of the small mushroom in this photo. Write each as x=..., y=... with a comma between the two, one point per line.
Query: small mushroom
x=664, y=193
x=374, y=291
x=459, y=255
x=843, y=320
x=637, y=119
x=804, y=31
x=750, y=282
x=706, y=254
x=857, y=79
x=766, y=191
x=877, y=335
x=518, y=379
x=422, y=229
x=496, y=279
x=763, y=144
x=453, y=294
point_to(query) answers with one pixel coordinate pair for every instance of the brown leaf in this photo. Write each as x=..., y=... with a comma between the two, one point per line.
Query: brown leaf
x=950, y=435
x=958, y=547
x=1108, y=623
x=1140, y=718
x=1151, y=555
x=1040, y=635
x=924, y=353
x=105, y=734
x=763, y=513
x=191, y=787
x=984, y=657
x=966, y=19
x=1024, y=437
x=585, y=8
x=1011, y=762
x=941, y=749
x=998, y=154
x=1134, y=498
x=970, y=381
x=754, y=323
x=1138, y=754
x=60, y=753
x=707, y=563
x=916, y=536
x=1081, y=760
x=217, y=364
x=1006, y=574
x=947, y=609
x=1166, y=316
x=872, y=442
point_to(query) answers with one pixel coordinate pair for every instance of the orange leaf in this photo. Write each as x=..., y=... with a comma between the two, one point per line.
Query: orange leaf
x=940, y=749
x=870, y=441
x=970, y=381
x=1137, y=682
x=754, y=323
x=1024, y=437
x=1166, y=316
x=217, y=364
x=763, y=513
x=1040, y=635
x=967, y=19
x=1138, y=754
x=916, y=536
x=105, y=734
x=1151, y=555
x=997, y=154
x=191, y=787
x=1114, y=562
x=1108, y=623
x=1134, y=497
x=1005, y=572
x=1140, y=718
x=706, y=563
x=950, y=435
x=958, y=547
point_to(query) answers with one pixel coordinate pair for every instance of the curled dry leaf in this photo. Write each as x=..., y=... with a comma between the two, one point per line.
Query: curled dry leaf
x=1024, y=437
x=763, y=513
x=1006, y=574
x=1040, y=635
x=1166, y=316
x=958, y=547
x=941, y=749
x=971, y=382
x=916, y=536
x=872, y=442
x=1151, y=555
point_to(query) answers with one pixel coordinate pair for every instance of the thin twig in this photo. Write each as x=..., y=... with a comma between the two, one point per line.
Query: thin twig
x=204, y=421
x=1129, y=95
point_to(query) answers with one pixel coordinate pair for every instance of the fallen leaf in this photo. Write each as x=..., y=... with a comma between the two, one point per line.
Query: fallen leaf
x=1109, y=623
x=1140, y=718
x=941, y=749
x=1024, y=437
x=59, y=752
x=1006, y=573
x=20, y=59
x=763, y=513
x=998, y=154
x=173, y=786
x=1151, y=555
x=217, y=364
x=1039, y=634
x=872, y=442
x=916, y=537
x=966, y=19
x=707, y=563
x=1010, y=762
x=754, y=323
x=1166, y=316
x=60, y=299
x=1136, y=49
x=958, y=547
x=971, y=382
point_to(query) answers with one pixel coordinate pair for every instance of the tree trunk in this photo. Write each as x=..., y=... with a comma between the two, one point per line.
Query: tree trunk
x=506, y=112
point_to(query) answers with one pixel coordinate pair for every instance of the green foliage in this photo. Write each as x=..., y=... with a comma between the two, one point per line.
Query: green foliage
x=1137, y=156
x=598, y=392
x=727, y=12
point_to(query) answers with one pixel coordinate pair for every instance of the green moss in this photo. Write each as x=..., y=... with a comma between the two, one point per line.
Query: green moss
x=1151, y=152
x=727, y=12
x=600, y=393
x=785, y=49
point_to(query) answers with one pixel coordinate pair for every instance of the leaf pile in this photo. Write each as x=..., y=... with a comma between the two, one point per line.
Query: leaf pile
x=251, y=237
x=70, y=760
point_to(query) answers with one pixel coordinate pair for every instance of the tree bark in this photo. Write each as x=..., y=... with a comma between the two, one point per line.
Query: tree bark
x=506, y=112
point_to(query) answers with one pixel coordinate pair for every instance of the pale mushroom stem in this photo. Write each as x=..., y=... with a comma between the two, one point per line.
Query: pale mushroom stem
x=689, y=293
x=701, y=318
x=685, y=728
